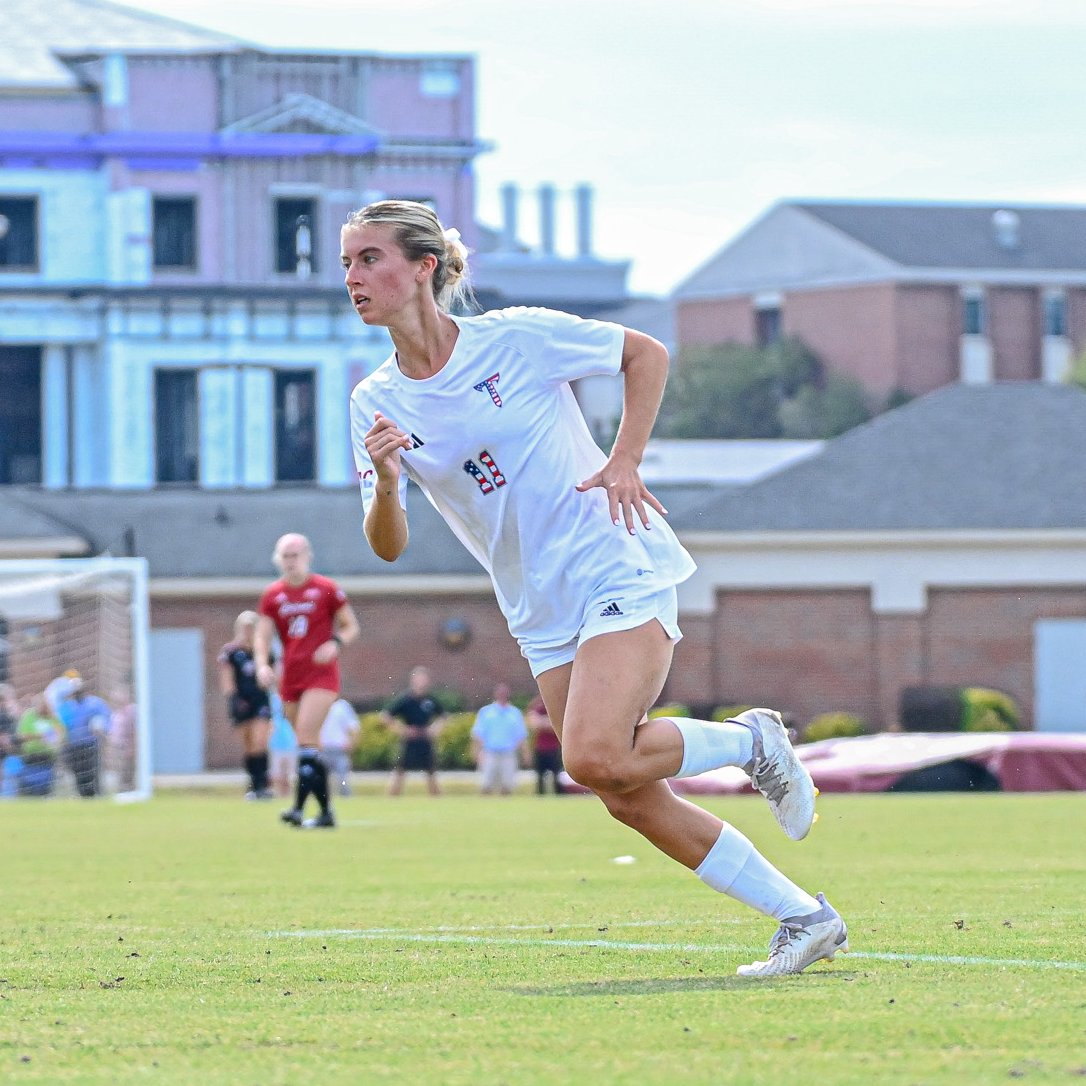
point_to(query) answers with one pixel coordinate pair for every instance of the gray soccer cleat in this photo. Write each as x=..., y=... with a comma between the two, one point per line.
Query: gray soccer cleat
x=778, y=774
x=323, y=821
x=293, y=817
x=800, y=941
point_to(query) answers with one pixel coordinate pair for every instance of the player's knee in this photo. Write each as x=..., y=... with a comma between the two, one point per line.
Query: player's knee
x=598, y=771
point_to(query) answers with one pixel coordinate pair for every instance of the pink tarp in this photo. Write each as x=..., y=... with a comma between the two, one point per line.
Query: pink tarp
x=1020, y=761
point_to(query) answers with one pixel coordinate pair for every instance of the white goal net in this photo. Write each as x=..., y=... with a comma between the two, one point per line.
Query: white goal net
x=74, y=678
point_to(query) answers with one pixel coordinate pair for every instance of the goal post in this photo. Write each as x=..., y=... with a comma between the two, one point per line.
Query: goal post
x=66, y=622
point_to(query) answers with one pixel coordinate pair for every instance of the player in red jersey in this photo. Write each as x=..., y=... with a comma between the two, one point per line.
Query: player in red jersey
x=313, y=619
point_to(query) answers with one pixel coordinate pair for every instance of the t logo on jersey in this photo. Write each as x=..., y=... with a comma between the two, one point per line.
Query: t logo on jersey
x=490, y=384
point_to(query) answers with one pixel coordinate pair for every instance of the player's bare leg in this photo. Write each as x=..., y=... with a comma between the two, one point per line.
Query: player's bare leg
x=598, y=705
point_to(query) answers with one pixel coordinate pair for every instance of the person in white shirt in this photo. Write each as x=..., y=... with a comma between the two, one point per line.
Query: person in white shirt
x=479, y=413
x=338, y=736
x=499, y=737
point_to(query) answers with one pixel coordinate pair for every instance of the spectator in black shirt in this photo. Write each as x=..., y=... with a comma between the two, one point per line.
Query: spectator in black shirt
x=417, y=719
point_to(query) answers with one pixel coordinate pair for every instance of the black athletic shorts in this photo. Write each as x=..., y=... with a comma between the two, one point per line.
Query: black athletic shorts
x=416, y=754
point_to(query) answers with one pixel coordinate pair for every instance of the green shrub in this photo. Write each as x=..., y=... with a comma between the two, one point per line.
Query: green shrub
x=989, y=711
x=454, y=742
x=670, y=709
x=833, y=726
x=726, y=712
x=377, y=744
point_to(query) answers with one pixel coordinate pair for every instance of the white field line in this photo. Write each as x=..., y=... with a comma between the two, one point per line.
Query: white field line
x=462, y=937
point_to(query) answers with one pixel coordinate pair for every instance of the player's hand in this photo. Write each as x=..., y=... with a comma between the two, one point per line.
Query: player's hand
x=265, y=675
x=627, y=495
x=384, y=443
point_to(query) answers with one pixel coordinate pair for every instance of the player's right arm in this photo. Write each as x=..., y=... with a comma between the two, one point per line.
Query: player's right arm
x=227, y=683
x=386, y=522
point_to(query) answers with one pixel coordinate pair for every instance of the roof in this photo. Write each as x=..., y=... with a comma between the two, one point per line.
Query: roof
x=802, y=244
x=187, y=532
x=1003, y=456
x=34, y=33
x=932, y=235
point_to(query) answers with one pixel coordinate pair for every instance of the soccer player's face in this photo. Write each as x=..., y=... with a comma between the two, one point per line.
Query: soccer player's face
x=293, y=559
x=380, y=279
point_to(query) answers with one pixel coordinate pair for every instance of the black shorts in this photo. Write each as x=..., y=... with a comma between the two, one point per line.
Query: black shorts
x=548, y=761
x=257, y=710
x=416, y=754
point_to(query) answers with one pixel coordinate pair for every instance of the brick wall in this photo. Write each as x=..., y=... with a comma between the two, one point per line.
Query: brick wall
x=722, y=320
x=804, y=652
x=850, y=328
x=928, y=324
x=984, y=637
x=1076, y=319
x=1014, y=327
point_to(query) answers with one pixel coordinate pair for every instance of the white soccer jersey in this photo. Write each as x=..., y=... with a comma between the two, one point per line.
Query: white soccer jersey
x=500, y=445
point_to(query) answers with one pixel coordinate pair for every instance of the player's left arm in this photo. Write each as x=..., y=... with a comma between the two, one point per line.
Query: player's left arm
x=345, y=629
x=644, y=370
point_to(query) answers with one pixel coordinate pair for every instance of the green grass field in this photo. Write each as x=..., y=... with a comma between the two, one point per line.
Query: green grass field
x=193, y=939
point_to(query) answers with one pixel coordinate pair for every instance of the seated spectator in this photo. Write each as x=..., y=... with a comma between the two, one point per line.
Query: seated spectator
x=339, y=734
x=86, y=719
x=41, y=738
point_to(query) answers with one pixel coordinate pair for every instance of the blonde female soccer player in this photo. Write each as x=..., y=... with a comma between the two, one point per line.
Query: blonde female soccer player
x=479, y=412
x=313, y=620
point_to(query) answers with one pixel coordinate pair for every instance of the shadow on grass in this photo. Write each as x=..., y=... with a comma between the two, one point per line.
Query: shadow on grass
x=659, y=986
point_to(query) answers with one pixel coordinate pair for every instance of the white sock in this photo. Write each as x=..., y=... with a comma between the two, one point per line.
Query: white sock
x=708, y=745
x=735, y=867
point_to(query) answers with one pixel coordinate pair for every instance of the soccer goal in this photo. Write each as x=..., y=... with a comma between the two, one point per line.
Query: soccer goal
x=71, y=631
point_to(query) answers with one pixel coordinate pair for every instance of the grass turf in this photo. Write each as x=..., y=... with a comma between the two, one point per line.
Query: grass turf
x=193, y=939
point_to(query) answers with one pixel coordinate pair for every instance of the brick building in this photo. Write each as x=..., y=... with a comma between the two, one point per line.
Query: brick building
x=904, y=297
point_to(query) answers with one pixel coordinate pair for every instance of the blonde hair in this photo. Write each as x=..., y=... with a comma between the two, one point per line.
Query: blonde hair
x=418, y=231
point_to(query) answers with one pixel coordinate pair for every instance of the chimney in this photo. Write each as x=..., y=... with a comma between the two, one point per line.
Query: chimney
x=583, y=195
x=1006, y=227
x=546, y=219
x=510, y=199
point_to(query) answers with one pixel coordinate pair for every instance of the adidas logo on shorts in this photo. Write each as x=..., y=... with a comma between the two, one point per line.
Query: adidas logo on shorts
x=611, y=610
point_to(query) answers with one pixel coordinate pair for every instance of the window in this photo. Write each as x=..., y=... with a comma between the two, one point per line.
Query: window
x=767, y=326
x=174, y=232
x=1055, y=317
x=177, y=427
x=19, y=233
x=973, y=315
x=295, y=426
x=20, y=415
x=295, y=229
x=440, y=79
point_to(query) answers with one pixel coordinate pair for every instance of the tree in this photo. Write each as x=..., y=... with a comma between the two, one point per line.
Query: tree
x=1076, y=372
x=737, y=391
x=826, y=411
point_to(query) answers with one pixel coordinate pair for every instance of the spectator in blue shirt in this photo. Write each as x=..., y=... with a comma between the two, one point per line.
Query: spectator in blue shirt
x=86, y=720
x=499, y=742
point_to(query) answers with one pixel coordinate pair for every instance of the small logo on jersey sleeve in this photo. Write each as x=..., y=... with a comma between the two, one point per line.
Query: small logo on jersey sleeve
x=490, y=384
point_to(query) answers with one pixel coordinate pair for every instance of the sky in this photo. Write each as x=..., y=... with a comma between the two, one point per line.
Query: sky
x=691, y=118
